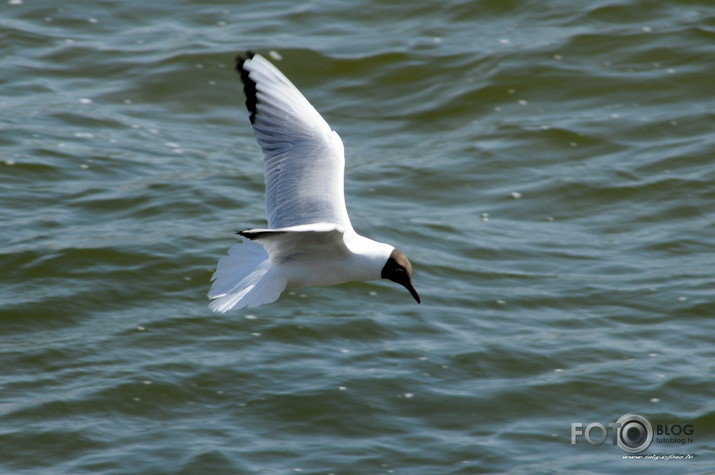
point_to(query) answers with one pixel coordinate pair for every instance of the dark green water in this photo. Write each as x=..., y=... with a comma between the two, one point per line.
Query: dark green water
x=547, y=166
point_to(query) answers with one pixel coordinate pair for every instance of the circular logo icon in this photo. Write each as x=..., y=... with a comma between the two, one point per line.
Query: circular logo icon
x=634, y=434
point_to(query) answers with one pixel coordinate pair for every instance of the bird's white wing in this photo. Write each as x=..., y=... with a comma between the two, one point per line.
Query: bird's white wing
x=304, y=158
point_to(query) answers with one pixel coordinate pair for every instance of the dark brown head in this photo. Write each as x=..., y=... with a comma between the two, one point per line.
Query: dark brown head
x=398, y=269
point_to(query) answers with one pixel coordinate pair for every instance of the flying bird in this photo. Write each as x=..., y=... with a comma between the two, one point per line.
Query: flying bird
x=309, y=240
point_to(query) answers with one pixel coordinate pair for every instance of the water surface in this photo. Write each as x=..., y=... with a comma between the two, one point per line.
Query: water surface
x=547, y=167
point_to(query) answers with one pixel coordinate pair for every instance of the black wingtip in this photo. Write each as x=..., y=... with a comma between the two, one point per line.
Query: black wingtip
x=249, y=85
x=258, y=234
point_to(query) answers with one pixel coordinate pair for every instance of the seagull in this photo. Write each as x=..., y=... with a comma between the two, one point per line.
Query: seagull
x=309, y=240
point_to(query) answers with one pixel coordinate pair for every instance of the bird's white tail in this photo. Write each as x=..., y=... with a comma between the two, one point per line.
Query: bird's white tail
x=245, y=278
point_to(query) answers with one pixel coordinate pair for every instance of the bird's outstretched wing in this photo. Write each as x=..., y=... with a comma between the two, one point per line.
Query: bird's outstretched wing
x=304, y=158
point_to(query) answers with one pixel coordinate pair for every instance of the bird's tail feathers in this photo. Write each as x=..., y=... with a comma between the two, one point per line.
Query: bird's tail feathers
x=245, y=278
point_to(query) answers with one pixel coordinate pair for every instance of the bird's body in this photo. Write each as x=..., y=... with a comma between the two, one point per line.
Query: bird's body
x=309, y=240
